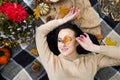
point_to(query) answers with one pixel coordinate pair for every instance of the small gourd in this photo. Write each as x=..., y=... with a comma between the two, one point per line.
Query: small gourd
x=43, y=8
x=4, y=55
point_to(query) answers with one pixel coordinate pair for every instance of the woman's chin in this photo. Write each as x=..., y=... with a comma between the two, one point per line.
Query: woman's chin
x=65, y=53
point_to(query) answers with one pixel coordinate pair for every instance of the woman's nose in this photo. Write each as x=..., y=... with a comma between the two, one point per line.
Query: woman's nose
x=63, y=44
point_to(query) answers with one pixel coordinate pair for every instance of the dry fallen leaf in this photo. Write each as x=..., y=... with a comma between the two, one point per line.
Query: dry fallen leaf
x=109, y=41
x=78, y=17
x=99, y=36
x=36, y=13
x=63, y=10
x=36, y=66
x=67, y=39
x=34, y=51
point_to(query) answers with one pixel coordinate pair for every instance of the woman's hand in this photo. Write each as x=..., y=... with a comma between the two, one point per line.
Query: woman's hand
x=73, y=13
x=86, y=43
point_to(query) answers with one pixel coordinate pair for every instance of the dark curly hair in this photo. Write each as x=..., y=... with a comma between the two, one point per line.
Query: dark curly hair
x=52, y=38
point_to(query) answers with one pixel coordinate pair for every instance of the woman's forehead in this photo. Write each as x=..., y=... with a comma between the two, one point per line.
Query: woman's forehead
x=65, y=32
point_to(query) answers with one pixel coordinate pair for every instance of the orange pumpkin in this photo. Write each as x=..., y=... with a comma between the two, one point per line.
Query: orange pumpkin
x=4, y=55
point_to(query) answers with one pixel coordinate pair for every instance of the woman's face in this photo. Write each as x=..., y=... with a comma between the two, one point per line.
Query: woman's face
x=66, y=42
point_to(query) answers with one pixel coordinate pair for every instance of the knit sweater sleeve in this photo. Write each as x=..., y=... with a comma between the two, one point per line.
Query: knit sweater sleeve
x=41, y=39
x=108, y=56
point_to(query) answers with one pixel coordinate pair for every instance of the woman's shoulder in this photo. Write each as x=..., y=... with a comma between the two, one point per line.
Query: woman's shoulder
x=90, y=57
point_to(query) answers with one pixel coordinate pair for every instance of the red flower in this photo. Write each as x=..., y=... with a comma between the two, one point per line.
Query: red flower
x=14, y=11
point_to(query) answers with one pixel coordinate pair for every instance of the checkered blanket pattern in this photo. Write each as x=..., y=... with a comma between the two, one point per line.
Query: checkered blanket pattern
x=110, y=29
x=22, y=60
x=20, y=65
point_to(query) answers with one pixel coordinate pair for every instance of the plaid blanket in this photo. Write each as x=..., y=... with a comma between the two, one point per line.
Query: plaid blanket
x=111, y=33
x=19, y=67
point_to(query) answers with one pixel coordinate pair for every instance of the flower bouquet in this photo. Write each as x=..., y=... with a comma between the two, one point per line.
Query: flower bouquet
x=16, y=25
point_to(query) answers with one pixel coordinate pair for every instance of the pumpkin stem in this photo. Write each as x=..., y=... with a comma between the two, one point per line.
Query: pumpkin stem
x=1, y=53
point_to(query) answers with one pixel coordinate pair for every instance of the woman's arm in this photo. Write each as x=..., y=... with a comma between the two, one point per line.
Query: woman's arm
x=49, y=26
x=110, y=51
x=42, y=31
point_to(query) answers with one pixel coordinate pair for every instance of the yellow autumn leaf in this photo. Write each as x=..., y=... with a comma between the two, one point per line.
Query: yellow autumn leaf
x=108, y=41
x=63, y=10
x=36, y=63
x=36, y=13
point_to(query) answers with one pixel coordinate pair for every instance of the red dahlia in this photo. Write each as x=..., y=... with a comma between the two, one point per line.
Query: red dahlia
x=14, y=11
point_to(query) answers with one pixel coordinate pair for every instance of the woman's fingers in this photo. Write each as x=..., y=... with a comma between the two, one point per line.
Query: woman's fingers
x=72, y=10
x=83, y=38
x=80, y=40
x=85, y=41
x=77, y=10
x=86, y=35
x=73, y=13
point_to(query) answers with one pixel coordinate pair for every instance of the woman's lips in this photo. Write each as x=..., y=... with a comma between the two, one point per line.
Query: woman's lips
x=64, y=49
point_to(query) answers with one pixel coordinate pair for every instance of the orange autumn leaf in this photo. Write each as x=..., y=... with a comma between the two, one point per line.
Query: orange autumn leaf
x=67, y=39
x=63, y=10
x=99, y=36
x=34, y=51
x=78, y=17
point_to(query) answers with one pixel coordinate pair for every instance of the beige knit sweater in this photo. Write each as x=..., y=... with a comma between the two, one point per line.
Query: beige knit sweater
x=83, y=67
x=89, y=19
